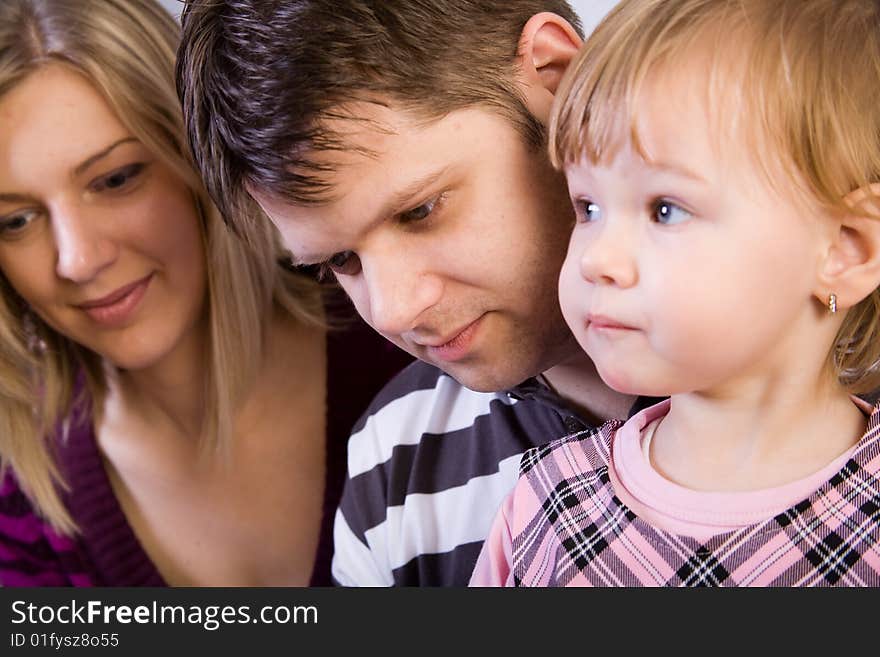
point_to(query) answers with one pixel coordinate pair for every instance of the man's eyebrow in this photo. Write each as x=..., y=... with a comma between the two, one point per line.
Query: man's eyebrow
x=89, y=161
x=397, y=202
x=400, y=200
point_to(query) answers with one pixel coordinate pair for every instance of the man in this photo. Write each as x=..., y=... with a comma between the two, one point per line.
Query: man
x=400, y=145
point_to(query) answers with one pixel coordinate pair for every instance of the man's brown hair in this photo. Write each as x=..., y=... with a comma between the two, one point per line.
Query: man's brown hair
x=261, y=80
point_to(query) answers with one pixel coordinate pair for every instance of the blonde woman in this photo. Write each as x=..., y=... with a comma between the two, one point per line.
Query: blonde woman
x=172, y=411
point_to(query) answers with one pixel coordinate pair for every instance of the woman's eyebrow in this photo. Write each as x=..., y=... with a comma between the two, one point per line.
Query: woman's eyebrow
x=89, y=161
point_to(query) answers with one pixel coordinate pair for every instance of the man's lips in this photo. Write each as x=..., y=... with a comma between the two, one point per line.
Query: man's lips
x=445, y=341
x=454, y=347
x=113, y=297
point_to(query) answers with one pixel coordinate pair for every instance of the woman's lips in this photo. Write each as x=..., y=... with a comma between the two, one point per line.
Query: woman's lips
x=117, y=307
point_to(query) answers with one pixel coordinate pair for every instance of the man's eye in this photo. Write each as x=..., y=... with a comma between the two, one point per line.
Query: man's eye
x=344, y=263
x=117, y=179
x=420, y=212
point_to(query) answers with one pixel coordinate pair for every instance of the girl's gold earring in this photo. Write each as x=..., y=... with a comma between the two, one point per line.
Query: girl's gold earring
x=832, y=303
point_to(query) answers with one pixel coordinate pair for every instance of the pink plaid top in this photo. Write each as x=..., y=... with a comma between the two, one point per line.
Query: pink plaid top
x=564, y=525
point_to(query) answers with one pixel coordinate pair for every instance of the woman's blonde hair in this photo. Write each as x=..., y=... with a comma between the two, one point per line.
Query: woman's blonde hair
x=126, y=49
x=805, y=76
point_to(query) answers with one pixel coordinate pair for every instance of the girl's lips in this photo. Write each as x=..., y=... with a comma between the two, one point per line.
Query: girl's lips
x=118, y=306
x=601, y=322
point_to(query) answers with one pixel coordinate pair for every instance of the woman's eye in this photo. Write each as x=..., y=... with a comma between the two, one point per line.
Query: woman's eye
x=668, y=213
x=17, y=222
x=588, y=211
x=345, y=263
x=420, y=212
x=117, y=179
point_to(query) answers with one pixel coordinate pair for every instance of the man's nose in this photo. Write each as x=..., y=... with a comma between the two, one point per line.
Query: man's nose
x=400, y=288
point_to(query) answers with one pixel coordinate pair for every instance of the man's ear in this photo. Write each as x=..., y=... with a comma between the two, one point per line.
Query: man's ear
x=547, y=45
x=851, y=270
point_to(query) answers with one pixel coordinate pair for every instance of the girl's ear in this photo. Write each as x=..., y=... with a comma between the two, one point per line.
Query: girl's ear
x=547, y=45
x=851, y=269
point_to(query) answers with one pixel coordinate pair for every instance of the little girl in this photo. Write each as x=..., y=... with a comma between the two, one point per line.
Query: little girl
x=724, y=162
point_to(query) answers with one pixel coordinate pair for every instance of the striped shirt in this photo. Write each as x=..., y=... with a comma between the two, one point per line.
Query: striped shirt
x=567, y=527
x=428, y=467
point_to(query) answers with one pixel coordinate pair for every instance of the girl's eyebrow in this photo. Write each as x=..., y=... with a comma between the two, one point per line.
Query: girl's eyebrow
x=674, y=168
x=13, y=198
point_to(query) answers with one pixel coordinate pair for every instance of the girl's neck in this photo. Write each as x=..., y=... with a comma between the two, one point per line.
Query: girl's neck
x=170, y=393
x=763, y=436
x=578, y=383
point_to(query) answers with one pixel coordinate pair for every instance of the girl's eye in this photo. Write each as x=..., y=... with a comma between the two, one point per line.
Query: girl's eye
x=119, y=179
x=345, y=263
x=668, y=213
x=15, y=223
x=420, y=212
x=588, y=211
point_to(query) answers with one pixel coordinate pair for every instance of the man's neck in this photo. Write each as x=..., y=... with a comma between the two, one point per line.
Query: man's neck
x=578, y=383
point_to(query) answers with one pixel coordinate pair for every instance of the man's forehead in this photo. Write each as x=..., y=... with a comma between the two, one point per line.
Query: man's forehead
x=390, y=163
x=354, y=195
x=368, y=139
x=384, y=148
x=307, y=231
x=349, y=143
x=359, y=130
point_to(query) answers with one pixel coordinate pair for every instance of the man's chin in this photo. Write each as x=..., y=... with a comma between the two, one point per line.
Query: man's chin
x=484, y=378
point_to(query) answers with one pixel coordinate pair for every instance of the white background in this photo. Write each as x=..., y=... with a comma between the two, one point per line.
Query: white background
x=591, y=11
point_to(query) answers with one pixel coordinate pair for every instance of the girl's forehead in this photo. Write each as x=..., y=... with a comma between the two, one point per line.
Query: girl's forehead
x=676, y=114
x=692, y=120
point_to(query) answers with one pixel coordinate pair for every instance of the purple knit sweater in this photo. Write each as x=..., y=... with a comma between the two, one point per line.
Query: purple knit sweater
x=108, y=553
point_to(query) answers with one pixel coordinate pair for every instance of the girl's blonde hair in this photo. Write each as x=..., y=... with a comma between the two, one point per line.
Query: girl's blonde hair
x=126, y=49
x=806, y=79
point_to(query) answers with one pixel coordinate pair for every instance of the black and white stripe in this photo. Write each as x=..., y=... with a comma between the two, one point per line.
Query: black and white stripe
x=429, y=464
